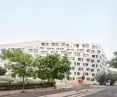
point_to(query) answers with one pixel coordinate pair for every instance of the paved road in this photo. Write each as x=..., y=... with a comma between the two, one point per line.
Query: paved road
x=109, y=92
x=62, y=93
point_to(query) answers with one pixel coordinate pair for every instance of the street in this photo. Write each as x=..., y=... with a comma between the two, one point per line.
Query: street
x=91, y=92
x=110, y=92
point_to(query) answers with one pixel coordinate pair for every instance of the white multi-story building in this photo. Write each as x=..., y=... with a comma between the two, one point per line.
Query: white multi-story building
x=86, y=58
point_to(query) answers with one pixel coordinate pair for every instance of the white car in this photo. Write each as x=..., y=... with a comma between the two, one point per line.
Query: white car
x=115, y=82
x=107, y=84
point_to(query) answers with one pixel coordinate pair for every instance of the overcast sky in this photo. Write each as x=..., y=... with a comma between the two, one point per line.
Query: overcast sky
x=66, y=20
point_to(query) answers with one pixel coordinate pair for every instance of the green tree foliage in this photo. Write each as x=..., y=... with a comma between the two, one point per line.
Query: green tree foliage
x=2, y=71
x=19, y=63
x=52, y=67
x=113, y=61
x=103, y=77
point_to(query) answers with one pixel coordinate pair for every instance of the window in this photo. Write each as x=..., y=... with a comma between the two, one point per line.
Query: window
x=43, y=44
x=98, y=70
x=92, y=51
x=76, y=54
x=88, y=50
x=80, y=69
x=63, y=52
x=81, y=50
x=83, y=64
x=88, y=78
x=53, y=44
x=61, y=48
x=94, y=46
x=30, y=50
x=87, y=69
x=47, y=44
x=78, y=64
x=88, y=60
x=56, y=44
x=92, y=79
x=93, y=56
x=93, y=74
x=98, y=61
x=86, y=74
x=86, y=55
x=74, y=63
x=79, y=59
x=67, y=45
x=72, y=49
x=71, y=58
x=92, y=61
x=41, y=47
x=72, y=68
x=43, y=52
x=77, y=45
x=33, y=50
x=98, y=51
x=96, y=56
x=92, y=70
x=96, y=65
x=74, y=73
x=49, y=48
x=54, y=52
x=86, y=64
x=93, y=65
x=85, y=45
x=78, y=73
x=100, y=66
x=69, y=53
x=63, y=44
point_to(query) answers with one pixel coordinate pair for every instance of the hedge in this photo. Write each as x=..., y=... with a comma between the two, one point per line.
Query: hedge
x=15, y=86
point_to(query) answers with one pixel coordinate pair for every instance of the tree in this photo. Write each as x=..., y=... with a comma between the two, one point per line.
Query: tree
x=111, y=76
x=52, y=67
x=19, y=63
x=113, y=61
x=101, y=78
x=104, y=77
x=2, y=71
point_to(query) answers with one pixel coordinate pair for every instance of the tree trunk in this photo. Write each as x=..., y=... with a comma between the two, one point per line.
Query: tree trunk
x=23, y=84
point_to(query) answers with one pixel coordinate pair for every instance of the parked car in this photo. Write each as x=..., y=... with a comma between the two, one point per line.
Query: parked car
x=115, y=83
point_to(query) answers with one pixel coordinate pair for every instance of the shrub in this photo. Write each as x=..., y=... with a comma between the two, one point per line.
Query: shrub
x=18, y=85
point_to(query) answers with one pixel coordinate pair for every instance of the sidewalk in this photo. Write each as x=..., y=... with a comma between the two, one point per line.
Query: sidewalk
x=37, y=90
x=14, y=92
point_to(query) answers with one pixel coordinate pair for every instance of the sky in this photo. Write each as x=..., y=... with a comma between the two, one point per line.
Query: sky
x=92, y=21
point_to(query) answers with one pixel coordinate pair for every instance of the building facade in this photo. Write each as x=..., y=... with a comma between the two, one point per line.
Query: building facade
x=86, y=58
